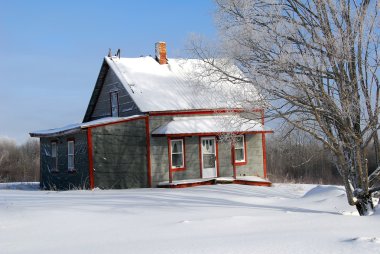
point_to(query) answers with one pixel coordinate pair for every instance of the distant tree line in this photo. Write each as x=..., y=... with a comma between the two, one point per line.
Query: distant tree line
x=19, y=162
x=295, y=157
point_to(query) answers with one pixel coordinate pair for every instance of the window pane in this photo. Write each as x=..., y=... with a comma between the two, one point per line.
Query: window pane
x=177, y=161
x=70, y=155
x=70, y=147
x=114, y=99
x=53, y=150
x=208, y=161
x=212, y=146
x=115, y=111
x=177, y=146
x=208, y=146
x=239, y=154
x=70, y=162
x=114, y=105
x=239, y=142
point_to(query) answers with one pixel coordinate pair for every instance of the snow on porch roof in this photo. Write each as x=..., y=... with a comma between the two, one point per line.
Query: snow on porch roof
x=210, y=125
x=177, y=85
x=72, y=128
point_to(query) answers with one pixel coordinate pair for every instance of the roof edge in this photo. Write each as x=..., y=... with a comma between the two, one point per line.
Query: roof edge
x=74, y=128
x=55, y=134
x=212, y=133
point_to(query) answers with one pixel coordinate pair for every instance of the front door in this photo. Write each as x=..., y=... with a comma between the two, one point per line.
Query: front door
x=208, y=157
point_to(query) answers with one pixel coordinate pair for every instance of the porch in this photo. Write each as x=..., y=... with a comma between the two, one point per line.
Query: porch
x=245, y=180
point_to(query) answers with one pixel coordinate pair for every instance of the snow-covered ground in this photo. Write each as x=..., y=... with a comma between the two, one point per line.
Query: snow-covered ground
x=227, y=218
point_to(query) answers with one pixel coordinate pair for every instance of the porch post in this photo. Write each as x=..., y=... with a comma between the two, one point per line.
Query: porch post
x=263, y=144
x=264, y=150
x=233, y=158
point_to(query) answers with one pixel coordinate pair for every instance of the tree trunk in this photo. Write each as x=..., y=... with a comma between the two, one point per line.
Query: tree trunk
x=364, y=205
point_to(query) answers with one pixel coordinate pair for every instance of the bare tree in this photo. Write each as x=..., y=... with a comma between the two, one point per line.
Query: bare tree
x=296, y=157
x=19, y=163
x=316, y=63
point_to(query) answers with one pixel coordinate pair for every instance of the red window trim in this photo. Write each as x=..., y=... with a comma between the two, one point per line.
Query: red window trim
x=200, y=156
x=183, y=154
x=117, y=99
x=217, y=156
x=73, y=170
x=240, y=163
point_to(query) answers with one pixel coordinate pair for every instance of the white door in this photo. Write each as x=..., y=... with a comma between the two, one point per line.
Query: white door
x=208, y=157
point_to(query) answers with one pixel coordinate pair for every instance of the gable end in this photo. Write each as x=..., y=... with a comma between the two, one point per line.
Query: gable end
x=100, y=102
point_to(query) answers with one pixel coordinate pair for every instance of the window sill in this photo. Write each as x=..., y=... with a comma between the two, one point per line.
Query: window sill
x=72, y=171
x=178, y=169
x=240, y=163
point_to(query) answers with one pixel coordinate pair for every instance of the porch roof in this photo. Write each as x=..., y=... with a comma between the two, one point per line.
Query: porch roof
x=201, y=125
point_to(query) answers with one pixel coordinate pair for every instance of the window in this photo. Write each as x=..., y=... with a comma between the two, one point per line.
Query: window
x=70, y=155
x=240, y=149
x=54, y=149
x=54, y=154
x=177, y=154
x=114, y=104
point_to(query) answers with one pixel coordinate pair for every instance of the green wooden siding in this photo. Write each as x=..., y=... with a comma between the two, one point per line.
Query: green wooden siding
x=120, y=155
x=60, y=178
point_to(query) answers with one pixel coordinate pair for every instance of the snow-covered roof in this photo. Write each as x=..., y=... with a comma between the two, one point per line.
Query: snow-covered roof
x=72, y=128
x=210, y=124
x=177, y=86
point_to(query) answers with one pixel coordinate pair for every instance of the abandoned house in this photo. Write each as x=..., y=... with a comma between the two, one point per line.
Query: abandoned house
x=149, y=123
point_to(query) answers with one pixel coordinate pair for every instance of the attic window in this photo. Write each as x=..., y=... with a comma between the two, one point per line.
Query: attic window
x=114, y=104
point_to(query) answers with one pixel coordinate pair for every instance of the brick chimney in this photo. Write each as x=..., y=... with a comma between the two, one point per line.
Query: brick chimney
x=161, y=52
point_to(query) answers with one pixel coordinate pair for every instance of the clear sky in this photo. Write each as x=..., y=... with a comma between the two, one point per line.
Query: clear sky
x=51, y=51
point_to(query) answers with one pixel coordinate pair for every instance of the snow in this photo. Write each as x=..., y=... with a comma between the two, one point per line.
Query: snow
x=76, y=127
x=71, y=128
x=251, y=178
x=176, y=85
x=20, y=186
x=228, y=218
x=209, y=124
x=215, y=179
x=187, y=181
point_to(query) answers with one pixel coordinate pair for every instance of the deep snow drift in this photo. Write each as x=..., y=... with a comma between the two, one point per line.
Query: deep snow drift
x=230, y=218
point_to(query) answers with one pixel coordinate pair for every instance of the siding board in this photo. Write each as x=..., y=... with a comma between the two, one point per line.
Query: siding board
x=120, y=155
x=63, y=179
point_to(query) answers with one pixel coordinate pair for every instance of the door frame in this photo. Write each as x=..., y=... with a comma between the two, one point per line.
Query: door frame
x=201, y=154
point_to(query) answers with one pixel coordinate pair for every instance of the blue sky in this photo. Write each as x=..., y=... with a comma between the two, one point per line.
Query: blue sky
x=51, y=51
